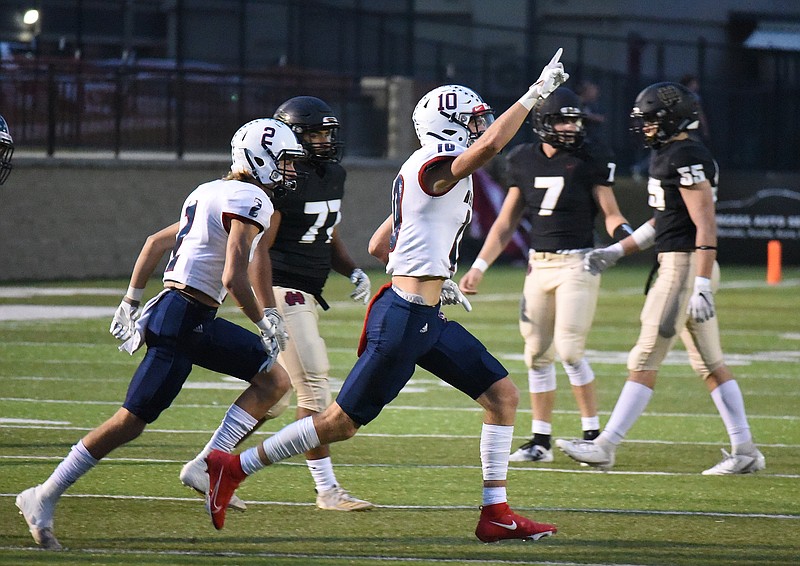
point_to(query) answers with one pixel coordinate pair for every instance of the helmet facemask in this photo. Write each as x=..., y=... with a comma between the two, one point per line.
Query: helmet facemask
x=564, y=139
x=6, y=151
x=562, y=106
x=321, y=151
x=476, y=122
x=309, y=114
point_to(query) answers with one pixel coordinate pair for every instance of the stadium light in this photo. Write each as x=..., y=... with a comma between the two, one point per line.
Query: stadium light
x=30, y=17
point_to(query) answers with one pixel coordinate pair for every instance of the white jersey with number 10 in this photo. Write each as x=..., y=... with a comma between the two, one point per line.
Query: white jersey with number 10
x=427, y=228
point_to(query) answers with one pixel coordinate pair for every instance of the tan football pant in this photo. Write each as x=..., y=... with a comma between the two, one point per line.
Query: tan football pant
x=305, y=357
x=558, y=304
x=664, y=316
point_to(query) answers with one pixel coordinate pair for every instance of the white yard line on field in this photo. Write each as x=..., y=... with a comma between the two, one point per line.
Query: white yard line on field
x=454, y=507
x=4, y=424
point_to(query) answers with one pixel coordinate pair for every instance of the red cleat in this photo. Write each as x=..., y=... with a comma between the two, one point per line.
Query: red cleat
x=224, y=475
x=498, y=522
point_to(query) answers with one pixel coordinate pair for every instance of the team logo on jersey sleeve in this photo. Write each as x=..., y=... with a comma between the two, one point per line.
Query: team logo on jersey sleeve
x=255, y=208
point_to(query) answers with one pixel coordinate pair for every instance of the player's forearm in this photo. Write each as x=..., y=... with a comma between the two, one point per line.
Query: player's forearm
x=341, y=261
x=239, y=288
x=152, y=251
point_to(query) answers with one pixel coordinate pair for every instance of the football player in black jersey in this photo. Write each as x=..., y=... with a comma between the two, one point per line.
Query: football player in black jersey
x=682, y=191
x=558, y=185
x=6, y=150
x=300, y=249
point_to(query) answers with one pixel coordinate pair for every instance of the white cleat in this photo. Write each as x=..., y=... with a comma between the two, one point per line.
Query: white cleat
x=530, y=452
x=587, y=452
x=38, y=513
x=194, y=474
x=738, y=464
x=339, y=499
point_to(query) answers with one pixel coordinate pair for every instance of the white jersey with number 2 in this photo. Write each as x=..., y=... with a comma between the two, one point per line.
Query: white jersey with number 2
x=198, y=258
x=427, y=228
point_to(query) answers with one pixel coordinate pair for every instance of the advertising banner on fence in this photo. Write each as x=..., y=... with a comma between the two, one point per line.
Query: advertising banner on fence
x=754, y=209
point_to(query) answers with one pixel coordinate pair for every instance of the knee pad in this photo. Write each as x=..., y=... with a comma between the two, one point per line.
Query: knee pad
x=579, y=374
x=542, y=380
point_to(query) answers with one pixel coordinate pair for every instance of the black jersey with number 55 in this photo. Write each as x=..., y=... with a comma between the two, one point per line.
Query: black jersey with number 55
x=301, y=253
x=558, y=192
x=675, y=165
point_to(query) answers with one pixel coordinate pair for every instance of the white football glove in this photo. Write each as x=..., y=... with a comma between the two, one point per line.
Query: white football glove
x=598, y=260
x=701, y=303
x=363, y=286
x=124, y=320
x=272, y=314
x=552, y=77
x=452, y=295
x=269, y=341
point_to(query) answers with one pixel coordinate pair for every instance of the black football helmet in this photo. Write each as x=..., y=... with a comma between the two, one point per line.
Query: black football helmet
x=671, y=107
x=6, y=151
x=562, y=105
x=306, y=114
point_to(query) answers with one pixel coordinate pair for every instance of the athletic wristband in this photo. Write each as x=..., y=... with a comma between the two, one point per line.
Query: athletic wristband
x=644, y=236
x=264, y=325
x=623, y=231
x=530, y=98
x=480, y=265
x=134, y=294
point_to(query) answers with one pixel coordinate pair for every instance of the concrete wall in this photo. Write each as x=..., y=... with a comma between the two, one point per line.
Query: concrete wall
x=87, y=218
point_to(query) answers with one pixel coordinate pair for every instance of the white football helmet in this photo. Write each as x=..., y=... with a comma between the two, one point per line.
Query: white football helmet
x=451, y=113
x=258, y=148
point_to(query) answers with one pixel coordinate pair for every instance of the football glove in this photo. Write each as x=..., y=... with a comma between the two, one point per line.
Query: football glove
x=272, y=314
x=701, y=303
x=552, y=77
x=269, y=341
x=598, y=260
x=363, y=286
x=452, y=295
x=124, y=320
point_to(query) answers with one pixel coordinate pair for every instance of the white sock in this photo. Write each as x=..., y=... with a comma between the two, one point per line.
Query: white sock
x=76, y=464
x=495, y=449
x=631, y=404
x=541, y=427
x=730, y=404
x=234, y=426
x=590, y=423
x=322, y=472
x=293, y=439
x=493, y=495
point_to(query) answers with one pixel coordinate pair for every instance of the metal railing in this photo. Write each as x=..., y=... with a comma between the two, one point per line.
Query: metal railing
x=752, y=100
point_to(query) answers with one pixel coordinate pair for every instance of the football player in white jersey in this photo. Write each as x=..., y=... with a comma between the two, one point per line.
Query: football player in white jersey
x=220, y=224
x=431, y=207
x=298, y=251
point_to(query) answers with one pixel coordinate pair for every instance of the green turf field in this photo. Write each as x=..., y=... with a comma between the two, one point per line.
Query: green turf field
x=419, y=460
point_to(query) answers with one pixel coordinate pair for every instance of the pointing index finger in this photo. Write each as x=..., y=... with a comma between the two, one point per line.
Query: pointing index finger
x=556, y=57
